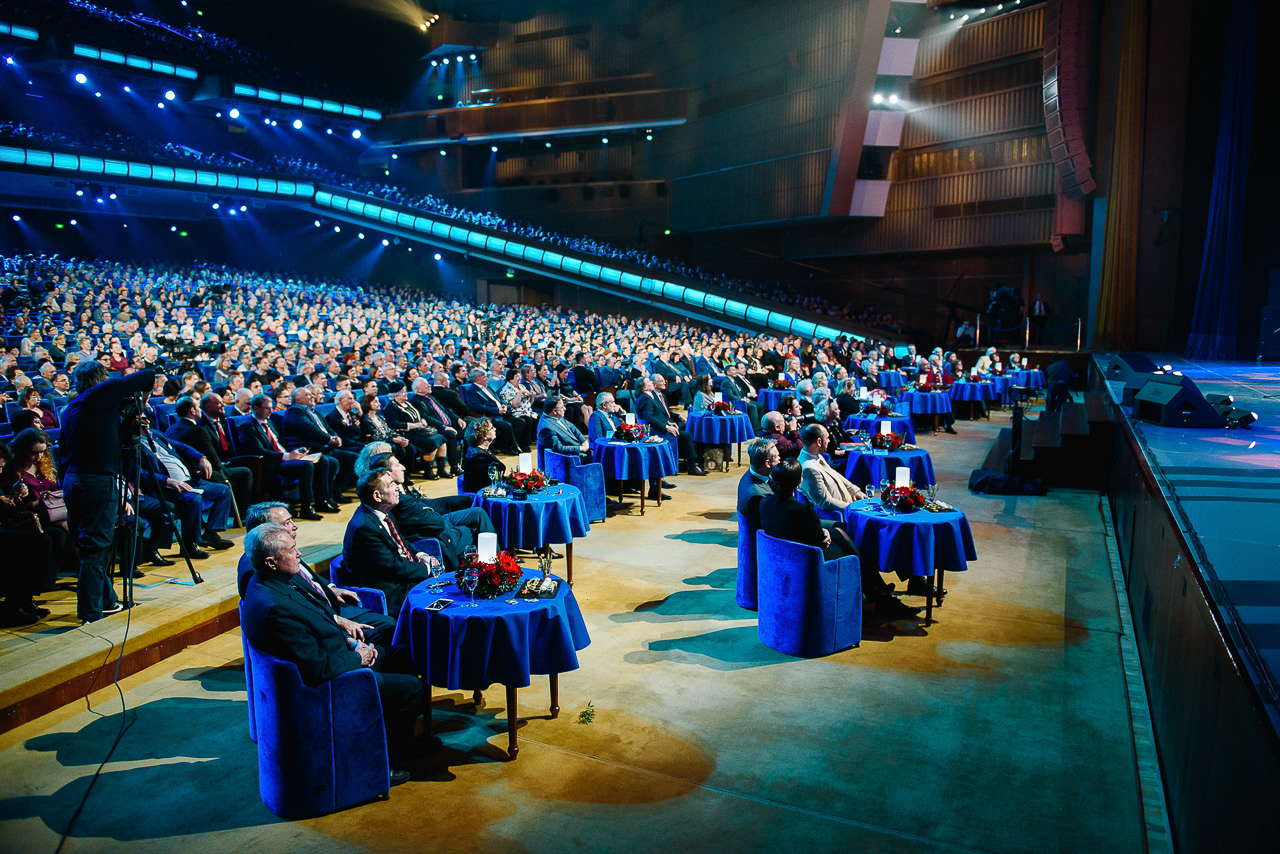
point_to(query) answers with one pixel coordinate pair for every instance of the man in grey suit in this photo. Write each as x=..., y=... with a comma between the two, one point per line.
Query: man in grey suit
x=755, y=484
x=555, y=433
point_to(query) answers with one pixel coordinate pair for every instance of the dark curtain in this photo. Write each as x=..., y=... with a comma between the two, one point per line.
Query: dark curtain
x=1213, y=327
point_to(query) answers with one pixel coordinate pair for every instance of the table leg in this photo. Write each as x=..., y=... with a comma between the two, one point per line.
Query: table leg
x=555, y=695
x=513, y=749
x=644, y=489
x=477, y=699
x=936, y=417
x=928, y=605
x=426, y=709
x=938, y=589
x=568, y=559
x=659, y=482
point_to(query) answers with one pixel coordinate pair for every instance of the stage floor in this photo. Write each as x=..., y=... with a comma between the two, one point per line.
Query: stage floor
x=1227, y=483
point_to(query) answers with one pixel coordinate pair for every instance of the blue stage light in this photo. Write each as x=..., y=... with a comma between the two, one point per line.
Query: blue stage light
x=317, y=223
x=355, y=134
x=336, y=229
x=173, y=228
x=244, y=208
x=273, y=122
x=494, y=149
x=395, y=157
x=113, y=197
x=446, y=60
x=548, y=145
x=160, y=104
x=169, y=95
x=17, y=218
x=266, y=121
x=443, y=152
x=218, y=114
x=80, y=78
x=97, y=94
x=8, y=60
x=329, y=131
x=79, y=192
x=459, y=57
x=386, y=242
x=127, y=89
x=437, y=256
x=360, y=235
x=473, y=56
x=434, y=63
x=604, y=140
x=649, y=137
x=235, y=114
x=73, y=222
x=216, y=206
x=99, y=200
x=233, y=211
x=297, y=124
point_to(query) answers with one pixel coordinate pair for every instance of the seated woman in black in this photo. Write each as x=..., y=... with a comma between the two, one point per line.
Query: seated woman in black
x=478, y=458
x=783, y=516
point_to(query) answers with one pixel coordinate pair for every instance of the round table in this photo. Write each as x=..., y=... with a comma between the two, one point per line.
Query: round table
x=891, y=380
x=973, y=392
x=557, y=514
x=900, y=424
x=919, y=543
x=870, y=466
x=1002, y=384
x=935, y=403
x=642, y=461
x=731, y=429
x=771, y=398
x=1030, y=379
x=472, y=648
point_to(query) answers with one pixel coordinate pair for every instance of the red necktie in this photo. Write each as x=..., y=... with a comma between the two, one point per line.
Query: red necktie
x=315, y=586
x=222, y=437
x=275, y=446
x=395, y=535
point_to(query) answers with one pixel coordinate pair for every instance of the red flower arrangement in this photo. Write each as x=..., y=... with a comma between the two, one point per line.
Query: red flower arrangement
x=781, y=384
x=496, y=578
x=629, y=432
x=904, y=499
x=534, y=481
x=882, y=410
x=721, y=407
x=886, y=441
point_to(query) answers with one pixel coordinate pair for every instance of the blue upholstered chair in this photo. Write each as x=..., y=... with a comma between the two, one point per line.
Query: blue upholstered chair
x=462, y=491
x=320, y=749
x=371, y=598
x=808, y=606
x=747, y=594
x=588, y=478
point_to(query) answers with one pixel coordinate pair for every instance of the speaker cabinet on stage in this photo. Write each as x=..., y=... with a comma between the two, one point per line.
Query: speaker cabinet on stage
x=1173, y=401
x=1132, y=369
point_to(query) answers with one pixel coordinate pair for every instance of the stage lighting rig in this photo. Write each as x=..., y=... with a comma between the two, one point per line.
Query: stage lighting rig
x=1241, y=419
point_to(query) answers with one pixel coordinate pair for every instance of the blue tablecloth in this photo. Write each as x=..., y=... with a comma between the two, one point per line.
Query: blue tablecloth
x=900, y=424
x=891, y=380
x=910, y=543
x=1030, y=379
x=969, y=391
x=719, y=429
x=863, y=467
x=555, y=515
x=926, y=403
x=636, y=460
x=472, y=648
x=772, y=398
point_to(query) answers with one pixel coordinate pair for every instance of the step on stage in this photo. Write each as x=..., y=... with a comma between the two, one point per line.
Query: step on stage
x=1197, y=522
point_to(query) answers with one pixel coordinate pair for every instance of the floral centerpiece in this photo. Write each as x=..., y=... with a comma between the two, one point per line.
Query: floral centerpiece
x=530, y=482
x=502, y=575
x=904, y=499
x=721, y=407
x=886, y=441
x=781, y=384
x=882, y=409
x=629, y=432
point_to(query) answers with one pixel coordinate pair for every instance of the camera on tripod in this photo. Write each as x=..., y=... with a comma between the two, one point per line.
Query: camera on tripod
x=133, y=417
x=177, y=349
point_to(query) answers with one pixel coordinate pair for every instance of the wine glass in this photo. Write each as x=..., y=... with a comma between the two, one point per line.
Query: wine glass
x=933, y=491
x=470, y=580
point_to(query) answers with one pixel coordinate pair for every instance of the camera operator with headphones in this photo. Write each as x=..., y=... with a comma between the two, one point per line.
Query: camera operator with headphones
x=90, y=444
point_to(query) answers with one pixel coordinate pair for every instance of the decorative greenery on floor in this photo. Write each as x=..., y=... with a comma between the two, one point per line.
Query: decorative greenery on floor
x=588, y=714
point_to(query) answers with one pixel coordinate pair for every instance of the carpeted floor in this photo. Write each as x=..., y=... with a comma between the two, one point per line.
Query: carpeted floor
x=1003, y=727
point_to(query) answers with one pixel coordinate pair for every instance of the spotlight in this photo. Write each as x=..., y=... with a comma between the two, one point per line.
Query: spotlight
x=395, y=157
x=548, y=145
x=437, y=256
x=243, y=208
x=337, y=228
x=649, y=137
x=297, y=124
x=445, y=61
x=494, y=149
x=235, y=114
x=893, y=99
x=386, y=242
x=1241, y=418
x=329, y=131
x=410, y=248
x=434, y=63
x=173, y=228
x=232, y=211
x=1223, y=403
x=317, y=223
x=8, y=60
x=127, y=89
x=877, y=98
x=216, y=206
x=604, y=140
x=360, y=235
x=443, y=152
x=459, y=57
x=218, y=114
x=273, y=122
x=79, y=192
x=169, y=95
x=473, y=56
x=80, y=78
x=423, y=27
x=160, y=105
x=112, y=197
x=73, y=222
x=99, y=200
x=97, y=94
x=17, y=218
x=266, y=121
x=355, y=134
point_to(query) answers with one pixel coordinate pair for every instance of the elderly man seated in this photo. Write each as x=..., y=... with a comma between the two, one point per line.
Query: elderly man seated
x=288, y=616
x=784, y=431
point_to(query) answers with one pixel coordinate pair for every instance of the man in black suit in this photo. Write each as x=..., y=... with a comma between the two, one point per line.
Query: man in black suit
x=374, y=552
x=188, y=431
x=288, y=616
x=417, y=519
x=451, y=400
x=304, y=428
x=557, y=434
x=344, y=421
x=584, y=378
x=257, y=438
x=438, y=417
x=734, y=386
x=755, y=484
x=1057, y=376
x=480, y=399
x=651, y=408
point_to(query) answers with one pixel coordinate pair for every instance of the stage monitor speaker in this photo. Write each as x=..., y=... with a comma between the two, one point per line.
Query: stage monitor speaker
x=1174, y=379
x=1269, y=343
x=1124, y=365
x=1172, y=404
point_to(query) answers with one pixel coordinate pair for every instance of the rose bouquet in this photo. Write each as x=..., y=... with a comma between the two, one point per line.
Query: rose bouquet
x=500, y=576
x=781, y=384
x=904, y=499
x=721, y=407
x=531, y=482
x=886, y=441
x=629, y=432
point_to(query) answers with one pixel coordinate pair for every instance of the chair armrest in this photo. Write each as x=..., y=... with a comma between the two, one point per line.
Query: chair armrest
x=371, y=599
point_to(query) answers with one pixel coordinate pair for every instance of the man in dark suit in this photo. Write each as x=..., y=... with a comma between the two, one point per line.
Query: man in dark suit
x=755, y=484
x=677, y=386
x=451, y=400
x=1057, y=376
x=188, y=431
x=438, y=417
x=735, y=387
x=344, y=421
x=258, y=438
x=584, y=378
x=289, y=617
x=304, y=428
x=374, y=552
x=557, y=434
x=651, y=408
x=609, y=375
x=174, y=473
x=479, y=399
x=418, y=519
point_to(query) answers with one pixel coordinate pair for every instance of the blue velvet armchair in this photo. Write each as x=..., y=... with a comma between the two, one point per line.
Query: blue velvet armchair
x=588, y=478
x=747, y=594
x=808, y=606
x=320, y=749
x=371, y=598
x=462, y=491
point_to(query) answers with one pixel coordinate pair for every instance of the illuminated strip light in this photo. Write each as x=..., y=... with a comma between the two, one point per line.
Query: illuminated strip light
x=18, y=31
x=465, y=238
x=107, y=166
x=244, y=90
x=133, y=61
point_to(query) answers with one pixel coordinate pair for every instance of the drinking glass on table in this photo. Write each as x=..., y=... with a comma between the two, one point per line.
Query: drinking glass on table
x=470, y=580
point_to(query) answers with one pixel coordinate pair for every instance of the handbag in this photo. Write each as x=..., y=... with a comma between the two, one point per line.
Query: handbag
x=55, y=508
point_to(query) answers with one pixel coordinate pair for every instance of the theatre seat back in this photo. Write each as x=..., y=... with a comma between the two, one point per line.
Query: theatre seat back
x=747, y=592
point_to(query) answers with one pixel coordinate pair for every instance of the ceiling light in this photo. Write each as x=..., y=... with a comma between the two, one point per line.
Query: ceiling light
x=235, y=114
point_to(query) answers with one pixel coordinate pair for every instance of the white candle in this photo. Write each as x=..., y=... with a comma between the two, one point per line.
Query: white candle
x=631, y=418
x=719, y=397
x=526, y=463
x=487, y=548
x=886, y=427
x=863, y=393
x=902, y=476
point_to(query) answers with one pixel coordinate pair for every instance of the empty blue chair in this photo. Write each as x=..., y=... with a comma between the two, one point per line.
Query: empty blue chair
x=808, y=606
x=371, y=598
x=747, y=593
x=462, y=491
x=588, y=478
x=320, y=749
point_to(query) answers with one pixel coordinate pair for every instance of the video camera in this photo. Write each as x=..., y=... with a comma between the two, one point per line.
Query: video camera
x=177, y=349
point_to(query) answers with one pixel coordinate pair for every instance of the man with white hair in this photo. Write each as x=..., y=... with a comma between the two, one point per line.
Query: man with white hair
x=344, y=420
x=479, y=399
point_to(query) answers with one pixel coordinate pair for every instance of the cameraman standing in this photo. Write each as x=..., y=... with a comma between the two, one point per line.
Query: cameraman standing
x=90, y=445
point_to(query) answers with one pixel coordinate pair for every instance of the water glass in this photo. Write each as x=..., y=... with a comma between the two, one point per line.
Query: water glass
x=470, y=580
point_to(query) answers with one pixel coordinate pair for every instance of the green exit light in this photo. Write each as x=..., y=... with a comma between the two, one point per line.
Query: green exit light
x=182, y=234
x=667, y=231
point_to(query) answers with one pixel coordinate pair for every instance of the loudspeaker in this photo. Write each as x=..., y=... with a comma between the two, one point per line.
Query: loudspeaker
x=1132, y=369
x=1269, y=342
x=1175, y=404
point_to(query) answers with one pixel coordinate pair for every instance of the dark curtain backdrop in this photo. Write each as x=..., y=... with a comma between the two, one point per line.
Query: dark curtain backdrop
x=1213, y=326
